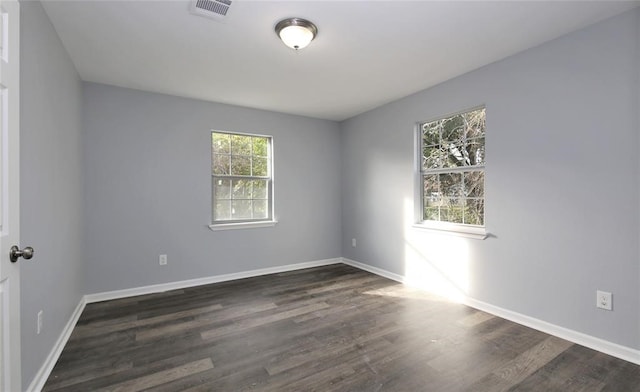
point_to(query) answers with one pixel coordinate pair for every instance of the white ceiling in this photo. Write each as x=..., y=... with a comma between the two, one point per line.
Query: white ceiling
x=367, y=53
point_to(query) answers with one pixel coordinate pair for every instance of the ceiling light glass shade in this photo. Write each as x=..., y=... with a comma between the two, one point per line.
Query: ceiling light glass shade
x=296, y=33
x=296, y=37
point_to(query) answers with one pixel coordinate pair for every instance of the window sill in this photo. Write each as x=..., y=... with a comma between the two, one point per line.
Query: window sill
x=242, y=225
x=478, y=233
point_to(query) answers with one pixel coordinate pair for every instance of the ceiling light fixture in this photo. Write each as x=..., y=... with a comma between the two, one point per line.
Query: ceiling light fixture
x=296, y=33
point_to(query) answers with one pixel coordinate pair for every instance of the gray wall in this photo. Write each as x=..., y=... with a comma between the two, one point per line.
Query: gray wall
x=148, y=190
x=562, y=184
x=51, y=186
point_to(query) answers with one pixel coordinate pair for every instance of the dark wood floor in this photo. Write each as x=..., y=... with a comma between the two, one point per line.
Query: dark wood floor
x=332, y=328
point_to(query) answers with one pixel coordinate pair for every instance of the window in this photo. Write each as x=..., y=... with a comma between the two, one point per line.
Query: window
x=242, y=182
x=452, y=151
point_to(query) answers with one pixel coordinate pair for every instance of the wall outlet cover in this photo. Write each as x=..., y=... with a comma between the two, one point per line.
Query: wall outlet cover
x=604, y=300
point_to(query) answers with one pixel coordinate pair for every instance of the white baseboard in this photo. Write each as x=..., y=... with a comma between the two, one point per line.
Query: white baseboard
x=613, y=349
x=627, y=353
x=43, y=374
x=374, y=270
x=159, y=288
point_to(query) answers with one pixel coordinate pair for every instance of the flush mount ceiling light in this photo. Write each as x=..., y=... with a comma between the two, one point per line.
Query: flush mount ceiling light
x=296, y=33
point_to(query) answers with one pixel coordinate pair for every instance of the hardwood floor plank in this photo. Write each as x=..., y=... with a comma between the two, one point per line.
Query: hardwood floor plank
x=313, y=353
x=260, y=321
x=155, y=379
x=129, y=322
x=475, y=319
x=135, y=372
x=568, y=371
x=58, y=381
x=525, y=364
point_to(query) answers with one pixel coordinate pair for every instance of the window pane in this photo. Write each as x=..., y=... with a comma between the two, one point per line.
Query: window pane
x=260, y=146
x=433, y=157
x=431, y=213
x=220, y=143
x=455, y=214
x=222, y=189
x=456, y=155
x=260, y=209
x=452, y=201
x=431, y=188
x=240, y=166
x=431, y=133
x=433, y=202
x=222, y=210
x=451, y=184
x=241, y=189
x=474, y=184
x=453, y=130
x=259, y=189
x=240, y=209
x=475, y=123
x=220, y=164
x=475, y=151
x=474, y=212
x=260, y=167
x=240, y=145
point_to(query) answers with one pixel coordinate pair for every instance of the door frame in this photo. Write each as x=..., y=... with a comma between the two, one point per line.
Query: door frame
x=10, y=359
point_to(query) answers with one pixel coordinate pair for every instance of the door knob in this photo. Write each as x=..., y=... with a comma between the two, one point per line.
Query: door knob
x=15, y=253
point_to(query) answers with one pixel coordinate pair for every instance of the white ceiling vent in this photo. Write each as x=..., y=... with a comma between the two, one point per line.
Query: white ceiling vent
x=214, y=9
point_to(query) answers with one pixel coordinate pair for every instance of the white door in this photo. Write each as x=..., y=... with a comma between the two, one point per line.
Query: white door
x=9, y=195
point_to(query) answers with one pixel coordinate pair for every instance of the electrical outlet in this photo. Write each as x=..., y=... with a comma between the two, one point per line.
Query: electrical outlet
x=39, y=323
x=162, y=260
x=604, y=300
x=353, y=242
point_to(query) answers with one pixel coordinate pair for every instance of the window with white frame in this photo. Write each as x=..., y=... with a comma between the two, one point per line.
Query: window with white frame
x=241, y=174
x=452, y=169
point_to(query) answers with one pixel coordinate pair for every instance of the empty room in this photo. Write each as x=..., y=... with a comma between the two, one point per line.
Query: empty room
x=256, y=195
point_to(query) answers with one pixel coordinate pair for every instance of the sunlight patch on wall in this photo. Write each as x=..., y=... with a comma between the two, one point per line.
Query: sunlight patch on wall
x=437, y=263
